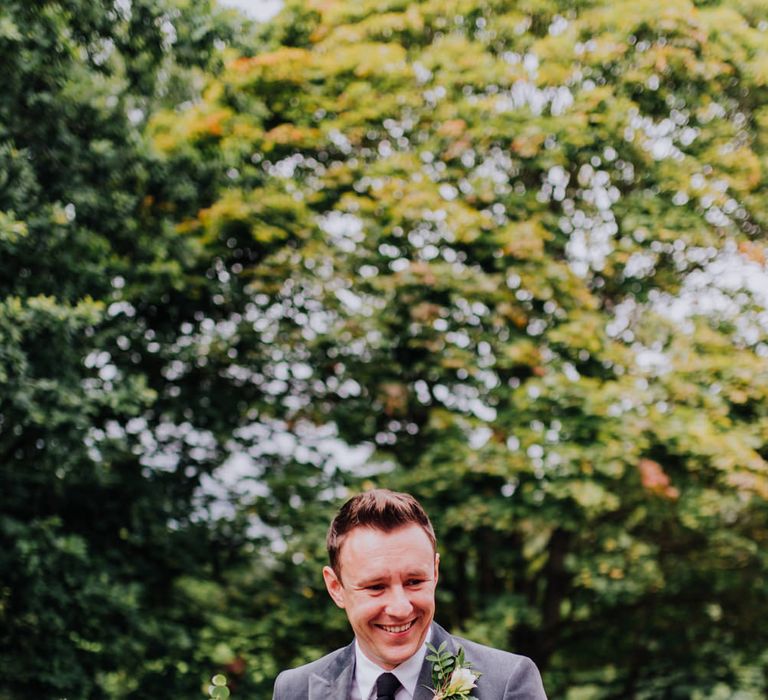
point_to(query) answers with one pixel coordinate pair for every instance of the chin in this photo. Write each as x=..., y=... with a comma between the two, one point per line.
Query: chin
x=394, y=660
x=402, y=652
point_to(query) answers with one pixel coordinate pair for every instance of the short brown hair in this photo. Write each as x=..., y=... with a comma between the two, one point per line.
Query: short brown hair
x=380, y=509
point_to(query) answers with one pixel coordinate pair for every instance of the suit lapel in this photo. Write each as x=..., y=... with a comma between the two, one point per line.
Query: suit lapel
x=335, y=682
x=424, y=688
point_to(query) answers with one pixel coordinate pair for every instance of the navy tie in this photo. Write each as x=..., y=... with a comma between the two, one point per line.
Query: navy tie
x=386, y=686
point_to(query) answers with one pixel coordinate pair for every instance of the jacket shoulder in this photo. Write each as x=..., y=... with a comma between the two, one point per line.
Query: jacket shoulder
x=294, y=682
x=473, y=649
x=508, y=675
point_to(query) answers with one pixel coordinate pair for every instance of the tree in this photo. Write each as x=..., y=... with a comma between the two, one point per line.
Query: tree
x=509, y=248
x=101, y=464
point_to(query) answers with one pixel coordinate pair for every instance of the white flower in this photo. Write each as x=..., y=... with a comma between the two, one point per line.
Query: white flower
x=462, y=681
x=459, y=684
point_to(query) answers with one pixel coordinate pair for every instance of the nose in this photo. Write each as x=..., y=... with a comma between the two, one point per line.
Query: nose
x=399, y=605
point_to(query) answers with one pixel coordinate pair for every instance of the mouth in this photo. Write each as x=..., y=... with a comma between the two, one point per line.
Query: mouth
x=397, y=629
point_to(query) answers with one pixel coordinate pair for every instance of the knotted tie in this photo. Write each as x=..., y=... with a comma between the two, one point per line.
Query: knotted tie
x=386, y=686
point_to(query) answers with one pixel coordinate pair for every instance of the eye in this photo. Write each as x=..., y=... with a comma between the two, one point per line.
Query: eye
x=414, y=581
x=375, y=587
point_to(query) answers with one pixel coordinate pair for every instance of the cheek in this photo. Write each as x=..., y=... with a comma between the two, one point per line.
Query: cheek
x=425, y=599
x=366, y=607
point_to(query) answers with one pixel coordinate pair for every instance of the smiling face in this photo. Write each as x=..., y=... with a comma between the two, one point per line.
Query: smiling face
x=387, y=589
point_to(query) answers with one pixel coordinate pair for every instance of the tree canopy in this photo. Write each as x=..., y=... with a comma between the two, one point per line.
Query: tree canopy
x=95, y=288
x=508, y=256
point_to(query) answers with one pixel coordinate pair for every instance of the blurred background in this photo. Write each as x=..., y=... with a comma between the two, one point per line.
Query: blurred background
x=508, y=255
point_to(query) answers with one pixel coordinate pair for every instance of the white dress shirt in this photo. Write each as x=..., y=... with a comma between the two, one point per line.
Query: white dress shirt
x=367, y=672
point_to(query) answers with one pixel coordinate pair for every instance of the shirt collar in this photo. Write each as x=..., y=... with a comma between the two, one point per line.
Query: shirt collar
x=366, y=672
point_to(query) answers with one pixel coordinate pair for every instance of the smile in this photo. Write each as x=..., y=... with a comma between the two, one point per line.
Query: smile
x=396, y=629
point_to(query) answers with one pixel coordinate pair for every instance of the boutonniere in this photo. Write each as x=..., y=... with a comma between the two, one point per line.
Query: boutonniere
x=452, y=677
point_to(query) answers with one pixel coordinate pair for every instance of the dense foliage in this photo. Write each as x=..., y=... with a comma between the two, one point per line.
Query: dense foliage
x=505, y=255
x=95, y=286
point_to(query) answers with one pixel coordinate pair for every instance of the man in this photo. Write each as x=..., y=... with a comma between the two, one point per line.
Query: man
x=383, y=572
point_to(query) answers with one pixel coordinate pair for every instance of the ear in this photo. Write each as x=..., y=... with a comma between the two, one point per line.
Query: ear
x=437, y=566
x=334, y=586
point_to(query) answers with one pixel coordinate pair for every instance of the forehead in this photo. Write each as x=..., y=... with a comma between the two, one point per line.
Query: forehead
x=366, y=548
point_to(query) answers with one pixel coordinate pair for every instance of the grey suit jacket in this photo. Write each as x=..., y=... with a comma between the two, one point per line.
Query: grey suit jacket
x=505, y=676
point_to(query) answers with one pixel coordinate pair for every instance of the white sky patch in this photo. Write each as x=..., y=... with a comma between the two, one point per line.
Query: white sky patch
x=448, y=192
x=589, y=246
x=286, y=167
x=239, y=478
x=261, y=10
x=482, y=410
x=340, y=141
x=725, y=285
x=571, y=373
x=345, y=230
x=623, y=315
x=651, y=361
x=497, y=167
x=664, y=138
x=353, y=302
x=307, y=443
x=591, y=230
x=479, y=437
x=422, y=73
x=235, y=476
x=729, y=287
x=640, y=265
x=558, y=26
x=525, y=94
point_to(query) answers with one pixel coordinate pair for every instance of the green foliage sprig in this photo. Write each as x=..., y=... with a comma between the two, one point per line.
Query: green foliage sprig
x=452, y=677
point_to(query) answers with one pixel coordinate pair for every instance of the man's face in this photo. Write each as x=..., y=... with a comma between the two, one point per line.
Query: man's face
x=387, y=589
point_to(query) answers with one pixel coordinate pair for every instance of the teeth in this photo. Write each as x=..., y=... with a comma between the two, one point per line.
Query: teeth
x=399, y=628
